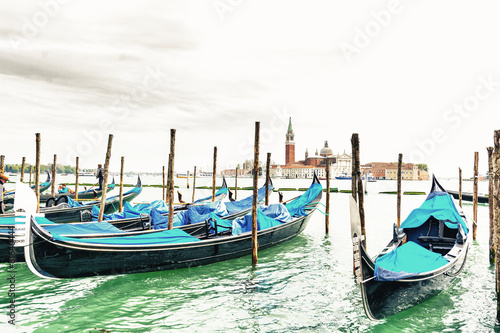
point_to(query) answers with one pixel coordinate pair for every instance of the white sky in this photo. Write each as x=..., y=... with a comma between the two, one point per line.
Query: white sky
x=77, y=71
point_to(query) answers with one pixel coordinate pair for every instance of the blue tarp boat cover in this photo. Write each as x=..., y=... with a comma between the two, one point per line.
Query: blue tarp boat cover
x=409, y=259
x=156, y=238
x=194, y=214
x=440, y=205
x=83, y=229
x=234, y=207
x=278, y=214
x=72, y=203
x=297, y=207
x=130, y=211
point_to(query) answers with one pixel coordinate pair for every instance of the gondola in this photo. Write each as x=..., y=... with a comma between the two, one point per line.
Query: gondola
x=468, y=196
x=9, y=196
x=142, y=223
x=90, y=194
x=71, y=211
x=234, y=209
x=53, y=256
x=426, y=253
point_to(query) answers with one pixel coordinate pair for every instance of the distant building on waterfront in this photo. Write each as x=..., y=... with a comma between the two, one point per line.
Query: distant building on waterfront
x=382, y=170
x=339, y=164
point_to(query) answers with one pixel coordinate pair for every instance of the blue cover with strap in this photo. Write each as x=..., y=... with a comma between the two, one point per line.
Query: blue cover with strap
x=244, y=224
x=83, y=229
x=130, y=211
x=440, y=205
x=219, y=224
x=173, y=236
x=234, y=207
x=297, y=207
x=72, y=203
x=407, y=260
x=194, y=214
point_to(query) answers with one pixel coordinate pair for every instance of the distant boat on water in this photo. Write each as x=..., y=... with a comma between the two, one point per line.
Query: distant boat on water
x=84, y=173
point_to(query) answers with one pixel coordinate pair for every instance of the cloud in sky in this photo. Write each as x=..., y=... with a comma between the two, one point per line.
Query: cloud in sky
x=137, y=69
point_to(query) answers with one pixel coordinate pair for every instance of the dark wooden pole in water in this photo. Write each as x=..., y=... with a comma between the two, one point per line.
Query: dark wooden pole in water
x=327, y=209
x=22, y=169
x=171, y=181
x=194, y=182
x=491, y=204
x=121, y=183
x=163, y=187
x=54, y=169
x=357, y=177
x=400, y=164
x=354, y=189
x=105, y=178
x=76, y=177
x=167, y=189
x=187, y=179
x=236, y=183
x=2, y=163
x=268, y=176
x=460, y=187
x=37, y=172
x=214, y=174
x=496, y=213
x=255, y=244
x=31, y=172
x=474, y=203
x=2, y=169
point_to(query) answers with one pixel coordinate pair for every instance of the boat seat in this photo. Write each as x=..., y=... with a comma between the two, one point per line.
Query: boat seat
x=438, y=243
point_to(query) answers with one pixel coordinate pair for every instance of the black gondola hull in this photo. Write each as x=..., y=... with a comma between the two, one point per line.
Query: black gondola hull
x=382, y=299
x=69, y=261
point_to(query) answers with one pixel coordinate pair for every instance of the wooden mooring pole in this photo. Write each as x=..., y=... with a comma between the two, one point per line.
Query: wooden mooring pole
x=54, y=171
x=475, y=200
x=163, y=187
x=2, y=163
x=31, y=173
x=171, y=180
x=357, y=183
x=37, y=172
x=187, y=179
x=268, y=176
x=121, y=183
x=491, y=204
x=214, y=174
x=236, y=183
x=102, y=207
x=327, y=209
x=460, y=187
x=76, y=177
x=496, y=214
x=255, y=244
x=194, y=182
x=23, y=163
x=398, y=213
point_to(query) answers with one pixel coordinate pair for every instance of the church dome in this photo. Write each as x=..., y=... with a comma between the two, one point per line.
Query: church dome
x=326, y=151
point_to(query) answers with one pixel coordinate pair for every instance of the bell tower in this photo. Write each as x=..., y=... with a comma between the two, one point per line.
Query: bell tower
x=290, y=144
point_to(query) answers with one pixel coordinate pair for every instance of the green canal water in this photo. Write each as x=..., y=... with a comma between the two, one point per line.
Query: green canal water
x=304, y=285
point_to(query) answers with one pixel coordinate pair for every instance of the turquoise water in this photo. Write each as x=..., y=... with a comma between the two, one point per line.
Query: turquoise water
x=303, y=285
